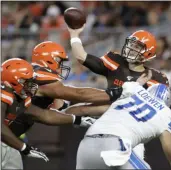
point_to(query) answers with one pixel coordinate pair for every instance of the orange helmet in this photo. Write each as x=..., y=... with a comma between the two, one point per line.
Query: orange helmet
x=18, y=74
x=139, y=47
x=50, y=54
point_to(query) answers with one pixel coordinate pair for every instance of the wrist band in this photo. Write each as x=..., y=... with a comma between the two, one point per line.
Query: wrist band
x=76, y=39
x=73, y=118
x=77, y=120
x=24, y=147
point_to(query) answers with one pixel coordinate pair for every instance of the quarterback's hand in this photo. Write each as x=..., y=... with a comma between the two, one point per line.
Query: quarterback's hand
x=30, y=151
x=144, y=78
x=75, y=32
x=84, y=121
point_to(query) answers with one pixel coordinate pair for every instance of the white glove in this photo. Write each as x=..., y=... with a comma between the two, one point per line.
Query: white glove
x=87, y=121
x=34, y=152
x=83, y=121
x=129, y=88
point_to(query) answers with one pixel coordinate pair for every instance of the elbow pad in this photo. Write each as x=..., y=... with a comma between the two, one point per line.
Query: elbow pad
x=114, y=93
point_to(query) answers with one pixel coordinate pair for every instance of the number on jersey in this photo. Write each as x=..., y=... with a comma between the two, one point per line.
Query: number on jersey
x=142, y=113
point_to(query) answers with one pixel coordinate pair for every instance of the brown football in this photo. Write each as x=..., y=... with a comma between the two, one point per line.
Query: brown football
x=74, y=18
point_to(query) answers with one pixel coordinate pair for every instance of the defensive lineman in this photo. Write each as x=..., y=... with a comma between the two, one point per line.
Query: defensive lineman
x=136, y=119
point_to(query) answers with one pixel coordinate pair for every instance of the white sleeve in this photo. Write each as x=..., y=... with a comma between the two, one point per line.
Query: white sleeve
x=169, y=127
x=130, y=88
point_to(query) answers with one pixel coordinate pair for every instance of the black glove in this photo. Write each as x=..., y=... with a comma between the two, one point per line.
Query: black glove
x=30, y=151
x=114, y=93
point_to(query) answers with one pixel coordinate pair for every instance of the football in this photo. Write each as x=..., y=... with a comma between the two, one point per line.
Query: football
x=74, y=18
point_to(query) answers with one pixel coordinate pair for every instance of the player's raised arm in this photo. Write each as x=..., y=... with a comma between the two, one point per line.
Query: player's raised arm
x=90, y=95
x=165, y=139
x=94, y=63
x=76, y=44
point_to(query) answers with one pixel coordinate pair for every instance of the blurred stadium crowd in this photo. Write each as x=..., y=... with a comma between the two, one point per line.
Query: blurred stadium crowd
x=24, y=24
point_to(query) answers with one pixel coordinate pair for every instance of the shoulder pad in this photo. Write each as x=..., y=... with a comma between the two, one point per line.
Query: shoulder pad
x=7, y=94
x=158, y=77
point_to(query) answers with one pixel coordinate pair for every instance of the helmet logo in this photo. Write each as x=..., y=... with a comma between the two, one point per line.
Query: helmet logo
x=143, y=40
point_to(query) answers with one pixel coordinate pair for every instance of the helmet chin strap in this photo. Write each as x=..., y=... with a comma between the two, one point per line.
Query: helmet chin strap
x=138, y=67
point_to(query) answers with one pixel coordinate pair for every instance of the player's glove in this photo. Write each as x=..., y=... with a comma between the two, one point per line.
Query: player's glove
x=30, y=151
x=83, y=121
x=114, y=93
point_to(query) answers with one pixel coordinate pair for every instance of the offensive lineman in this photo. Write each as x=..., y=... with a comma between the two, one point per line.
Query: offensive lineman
x=138, y=118
x=139, y=48
x=16, y=89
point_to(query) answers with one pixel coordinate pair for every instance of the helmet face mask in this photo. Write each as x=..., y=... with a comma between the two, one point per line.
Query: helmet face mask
x=30, y=88
x=62, y=70
x=133, y=50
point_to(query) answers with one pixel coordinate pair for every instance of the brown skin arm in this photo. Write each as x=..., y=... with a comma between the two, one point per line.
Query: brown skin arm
x=89, y=95
x=165, y=139
x=6, y=134
x=49, y=117
x=57, y=104
x=87, y=110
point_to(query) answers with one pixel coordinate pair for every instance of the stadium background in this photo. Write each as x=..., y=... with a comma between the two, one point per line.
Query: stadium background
x=25, y=24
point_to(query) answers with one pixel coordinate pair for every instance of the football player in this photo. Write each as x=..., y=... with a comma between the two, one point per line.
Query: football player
x=140, y=117
x=16, y=88
x=139, y=48
x=16, y=91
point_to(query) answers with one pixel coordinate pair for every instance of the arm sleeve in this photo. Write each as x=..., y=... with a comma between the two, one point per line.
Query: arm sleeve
x=169, y=127
x=109, y=62
x=95, y=64
x=6, y=95
x=158, y=77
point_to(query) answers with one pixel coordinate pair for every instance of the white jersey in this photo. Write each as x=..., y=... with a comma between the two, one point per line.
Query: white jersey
x=138, y=118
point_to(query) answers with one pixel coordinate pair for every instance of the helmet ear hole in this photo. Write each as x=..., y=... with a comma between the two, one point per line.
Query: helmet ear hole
x=13, y=84
x=149, y=54
x=7, y=66
x=49, y=62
